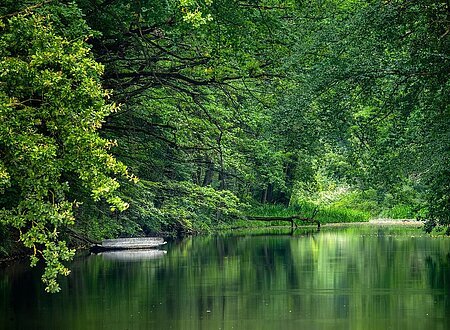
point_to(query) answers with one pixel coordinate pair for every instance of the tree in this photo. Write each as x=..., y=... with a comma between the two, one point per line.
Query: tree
x=51, y=107
x=197, y=98
x=377, y=74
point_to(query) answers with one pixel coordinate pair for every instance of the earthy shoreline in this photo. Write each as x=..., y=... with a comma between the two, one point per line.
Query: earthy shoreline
x=380, y=222
x=373, y=222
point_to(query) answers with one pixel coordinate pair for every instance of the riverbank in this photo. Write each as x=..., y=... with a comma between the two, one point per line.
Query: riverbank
x=383, y=222
x=249, y=225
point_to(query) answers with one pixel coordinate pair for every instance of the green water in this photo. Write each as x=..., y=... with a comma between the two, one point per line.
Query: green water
x=350, y=278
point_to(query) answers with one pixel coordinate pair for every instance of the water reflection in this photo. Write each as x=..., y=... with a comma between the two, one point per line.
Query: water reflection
x=351, y=278
x=132, y=255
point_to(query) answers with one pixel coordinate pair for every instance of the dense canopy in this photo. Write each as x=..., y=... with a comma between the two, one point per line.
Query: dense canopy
x=187, y=114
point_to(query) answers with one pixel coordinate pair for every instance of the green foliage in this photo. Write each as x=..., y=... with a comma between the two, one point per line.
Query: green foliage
x=332, y=214
x=381, y=97
x=399, y=211
x=180, y=207
x=365, y=201
x=334, y=195
x=273, y=210
x=192, y=14
x=221, y=102
x=51, y=106
x=197, y=106
x=324, y=213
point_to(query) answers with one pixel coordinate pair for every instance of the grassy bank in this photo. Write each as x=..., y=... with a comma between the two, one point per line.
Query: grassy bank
x=324, y=214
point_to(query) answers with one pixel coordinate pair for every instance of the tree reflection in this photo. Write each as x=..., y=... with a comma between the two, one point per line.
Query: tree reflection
x=351, y=277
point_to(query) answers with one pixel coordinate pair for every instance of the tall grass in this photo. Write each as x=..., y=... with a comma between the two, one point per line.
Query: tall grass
x=333, y=214
x=403, y=205
x=324, y=214
x=399, y=211
x=275, y=210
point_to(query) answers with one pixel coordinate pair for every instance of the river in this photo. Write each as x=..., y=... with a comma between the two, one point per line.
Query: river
x=339, y=278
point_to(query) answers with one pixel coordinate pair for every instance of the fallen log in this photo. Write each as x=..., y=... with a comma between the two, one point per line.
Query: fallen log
x=292, y=219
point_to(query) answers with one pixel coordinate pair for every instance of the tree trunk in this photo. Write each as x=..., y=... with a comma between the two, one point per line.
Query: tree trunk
x=264, y=196
x=223, y=183
x=269, y=190
x=208, y=175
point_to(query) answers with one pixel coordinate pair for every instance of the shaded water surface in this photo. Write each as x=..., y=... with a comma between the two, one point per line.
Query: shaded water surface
x=351, y=278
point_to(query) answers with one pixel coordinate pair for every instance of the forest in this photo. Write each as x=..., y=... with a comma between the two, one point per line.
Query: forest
x=124, y=118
